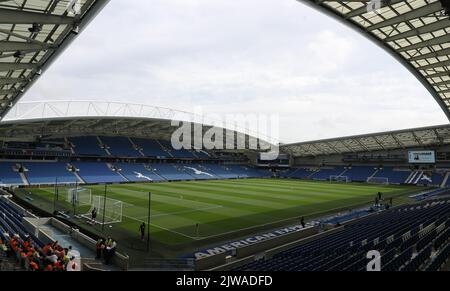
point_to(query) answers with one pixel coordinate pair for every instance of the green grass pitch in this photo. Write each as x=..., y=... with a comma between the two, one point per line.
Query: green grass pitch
x=226, y=208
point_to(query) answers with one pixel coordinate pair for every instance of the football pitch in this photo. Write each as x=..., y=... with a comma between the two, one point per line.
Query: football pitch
x=222, y=208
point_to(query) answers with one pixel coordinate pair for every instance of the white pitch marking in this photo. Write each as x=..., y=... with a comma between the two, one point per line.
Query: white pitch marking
x=182, y=211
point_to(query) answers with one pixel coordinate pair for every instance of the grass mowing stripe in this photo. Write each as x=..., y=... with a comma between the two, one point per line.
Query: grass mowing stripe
x=223, y=207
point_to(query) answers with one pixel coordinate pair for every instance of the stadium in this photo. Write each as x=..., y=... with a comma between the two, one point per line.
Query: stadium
x=102, y=186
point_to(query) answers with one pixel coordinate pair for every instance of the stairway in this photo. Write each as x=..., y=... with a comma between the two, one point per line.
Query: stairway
x=105, y=148
x=418, y=177
x=411, y=177
x=444, y=181
x=116, y=170
x=24, y=179
x=373, y=175
x=81, y=180
x=341, y=174
x=135, y=146
x=148, y=168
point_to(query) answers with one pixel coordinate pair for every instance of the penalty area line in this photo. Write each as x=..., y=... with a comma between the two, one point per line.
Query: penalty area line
x=163, y=228
x=181, y=212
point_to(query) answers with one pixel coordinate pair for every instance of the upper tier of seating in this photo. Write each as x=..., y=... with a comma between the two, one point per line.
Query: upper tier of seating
x=404, y=236
x=181, y=153
x=150, y=147
x=130, y=147
x=87, y=146
x=120, y=146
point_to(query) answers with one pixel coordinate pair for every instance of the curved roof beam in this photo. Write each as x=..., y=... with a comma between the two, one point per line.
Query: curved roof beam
x=415, y=32
x=32, y=36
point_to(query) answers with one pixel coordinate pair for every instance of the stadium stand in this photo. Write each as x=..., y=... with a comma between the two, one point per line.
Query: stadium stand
x=30, y=252
x=48, y=173
x=197, y=171
x=220, y=171
x=412, y=237
x=137, y=172
x=92, y=172
x=8, y=175
x=119, y=146
x=150, y=148
x=87, y=146
x=325, y=173
x=359, y=173
x=436, y=180
x=99, y=172
x=181, y=153
x=299, y=173
x=170, y=172
x=202, y=154
x=394, y=176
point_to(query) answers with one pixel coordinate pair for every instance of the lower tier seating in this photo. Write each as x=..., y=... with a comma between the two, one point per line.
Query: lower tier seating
x=411, y=237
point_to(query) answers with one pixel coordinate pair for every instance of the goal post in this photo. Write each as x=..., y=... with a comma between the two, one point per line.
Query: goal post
x=378, y=180
x=336, y=178
x=109, y=209
x=79, y=196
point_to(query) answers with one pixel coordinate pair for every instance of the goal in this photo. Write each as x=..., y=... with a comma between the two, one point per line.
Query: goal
x=79, y=196
x=107, y=208
x=378, y=180
x=335, y=178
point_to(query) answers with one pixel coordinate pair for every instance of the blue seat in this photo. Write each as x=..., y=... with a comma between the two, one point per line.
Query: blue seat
x=48, y=173
x=92, y=172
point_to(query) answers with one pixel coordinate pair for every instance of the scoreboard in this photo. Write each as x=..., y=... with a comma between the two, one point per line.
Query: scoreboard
x=421, y=157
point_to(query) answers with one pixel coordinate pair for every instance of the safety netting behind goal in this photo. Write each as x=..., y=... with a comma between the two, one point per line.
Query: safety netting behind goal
x=108, y=210
x=79, y=196
x=334, y=178
x=378, y=180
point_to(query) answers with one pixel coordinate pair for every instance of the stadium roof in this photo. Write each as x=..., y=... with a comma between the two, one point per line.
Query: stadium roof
x=29, y=121
x=32, y=34
x=390, y=140
x=415, y=32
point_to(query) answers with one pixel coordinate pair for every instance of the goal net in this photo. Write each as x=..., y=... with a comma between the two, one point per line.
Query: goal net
x=378, y=180
x=107, y=208
x=79, y=196
x=335, y=178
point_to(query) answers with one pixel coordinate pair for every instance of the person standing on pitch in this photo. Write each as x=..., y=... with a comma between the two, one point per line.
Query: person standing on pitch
x=142, y=230
x=302, y=222
x=94, y=214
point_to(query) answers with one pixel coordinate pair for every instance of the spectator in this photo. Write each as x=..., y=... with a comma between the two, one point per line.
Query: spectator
x=100, y=245
x=94, y=214
x=142, y=230
x=110, y=250
x=50, y=258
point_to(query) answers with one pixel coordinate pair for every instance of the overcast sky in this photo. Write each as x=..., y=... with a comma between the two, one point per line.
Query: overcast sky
x=241, y=56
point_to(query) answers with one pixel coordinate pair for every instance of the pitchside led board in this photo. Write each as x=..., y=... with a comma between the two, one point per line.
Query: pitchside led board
x=421, y=157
